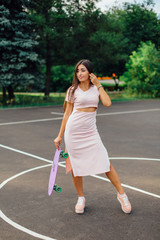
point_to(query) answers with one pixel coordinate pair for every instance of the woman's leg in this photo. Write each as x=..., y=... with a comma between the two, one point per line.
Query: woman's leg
x=121, y=196
x=114, y=178
x=78, y=183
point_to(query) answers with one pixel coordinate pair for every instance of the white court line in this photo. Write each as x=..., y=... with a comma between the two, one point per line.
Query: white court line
x=21, y=173
x=128, y=112
x=128, y=186
x=59, y=118
x=61, y=164
x=57, y=113
x=135, y=158
x=25, y=153
x=31, y=121
x=117, y=113
x=28, y=231
x=14, y=224
x=23, y=229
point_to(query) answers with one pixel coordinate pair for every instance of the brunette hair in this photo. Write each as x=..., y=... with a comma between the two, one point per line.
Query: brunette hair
x=75, y=81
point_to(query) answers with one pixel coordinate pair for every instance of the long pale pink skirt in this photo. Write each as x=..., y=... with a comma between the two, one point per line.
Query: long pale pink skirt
x=86, y=151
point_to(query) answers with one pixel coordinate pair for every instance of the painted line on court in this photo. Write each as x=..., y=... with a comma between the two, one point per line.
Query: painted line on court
x=31, y=121
x=14, y=224
x=60, y=118
x=25, y=153
x=61, y=164
x=128, y=112
x=135, y=158
x=21, y=173
x=23, y=229
x=128, y=186
x=57, y=113
x=30, y=232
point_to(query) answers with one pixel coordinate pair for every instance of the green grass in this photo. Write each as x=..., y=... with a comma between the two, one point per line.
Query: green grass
x=34, y=99
x=37, y=99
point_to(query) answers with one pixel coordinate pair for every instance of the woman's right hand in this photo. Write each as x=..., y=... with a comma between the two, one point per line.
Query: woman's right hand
x=57, y=141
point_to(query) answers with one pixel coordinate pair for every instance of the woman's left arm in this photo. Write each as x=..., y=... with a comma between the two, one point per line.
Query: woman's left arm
x=105, y=99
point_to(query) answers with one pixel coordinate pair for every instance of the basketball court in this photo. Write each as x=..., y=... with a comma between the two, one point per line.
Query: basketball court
x=131, y=133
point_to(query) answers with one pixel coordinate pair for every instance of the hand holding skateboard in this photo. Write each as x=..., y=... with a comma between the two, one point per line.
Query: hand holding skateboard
x=53, y=173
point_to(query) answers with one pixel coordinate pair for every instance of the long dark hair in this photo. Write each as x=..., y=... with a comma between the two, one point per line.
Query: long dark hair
x=75, y=81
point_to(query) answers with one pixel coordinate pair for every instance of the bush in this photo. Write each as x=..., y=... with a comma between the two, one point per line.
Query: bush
x=143, y=71
x=62, y=76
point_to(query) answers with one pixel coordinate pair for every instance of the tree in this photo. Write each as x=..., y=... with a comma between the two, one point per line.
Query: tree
x=143, y=70
x=61, y=31
x=62, y=76
x=140, y=24
x=18, y=57
x=49, y=17
x=107, y=45
x=120, y=31
x=82, y=24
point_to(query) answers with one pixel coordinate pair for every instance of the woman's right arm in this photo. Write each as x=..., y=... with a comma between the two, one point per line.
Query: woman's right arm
x=68, y=111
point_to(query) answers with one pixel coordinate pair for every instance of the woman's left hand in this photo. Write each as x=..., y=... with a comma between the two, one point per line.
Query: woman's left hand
x=94, y=80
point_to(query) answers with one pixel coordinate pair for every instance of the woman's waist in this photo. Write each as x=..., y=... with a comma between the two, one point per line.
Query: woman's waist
x=84, y=120
x=85, y=111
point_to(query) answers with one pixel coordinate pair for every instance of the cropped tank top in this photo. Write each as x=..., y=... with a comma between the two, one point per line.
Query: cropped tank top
x=84, y=99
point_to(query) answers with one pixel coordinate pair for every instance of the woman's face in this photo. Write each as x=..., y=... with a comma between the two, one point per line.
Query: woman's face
x=82, y=73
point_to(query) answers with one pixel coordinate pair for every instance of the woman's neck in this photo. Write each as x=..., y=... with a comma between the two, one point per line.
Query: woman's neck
x=84, y=85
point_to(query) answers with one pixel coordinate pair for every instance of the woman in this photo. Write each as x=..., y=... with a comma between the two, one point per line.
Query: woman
x=87, y=154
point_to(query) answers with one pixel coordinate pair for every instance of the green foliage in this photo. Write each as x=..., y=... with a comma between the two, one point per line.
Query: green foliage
x=65, y=32
x=140, y=23
x=62, y=76
x=109, y=44
x=78, y=30
x=143, y=71
x=19, y=59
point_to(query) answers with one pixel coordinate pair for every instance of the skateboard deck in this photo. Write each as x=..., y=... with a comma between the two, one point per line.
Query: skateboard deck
x=53, y=173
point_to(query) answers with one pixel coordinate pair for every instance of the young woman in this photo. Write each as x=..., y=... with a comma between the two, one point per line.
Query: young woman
x=87, y=154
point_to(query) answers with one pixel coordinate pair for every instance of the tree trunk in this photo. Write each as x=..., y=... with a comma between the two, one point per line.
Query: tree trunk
x=48, y=69
x=4, y=98
x=10, y=93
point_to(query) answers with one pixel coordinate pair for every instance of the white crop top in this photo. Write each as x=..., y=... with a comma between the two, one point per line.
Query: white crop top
x=84, y=99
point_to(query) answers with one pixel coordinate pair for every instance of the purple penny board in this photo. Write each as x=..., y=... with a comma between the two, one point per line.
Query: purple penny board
x=53, y=172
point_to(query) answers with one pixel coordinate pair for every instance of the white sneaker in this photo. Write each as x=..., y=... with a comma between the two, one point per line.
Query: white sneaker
x=125, y=203
x=80, y=206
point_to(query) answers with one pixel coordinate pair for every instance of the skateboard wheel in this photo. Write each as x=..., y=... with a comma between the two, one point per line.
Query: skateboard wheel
x=64, y=155
x=57, y=188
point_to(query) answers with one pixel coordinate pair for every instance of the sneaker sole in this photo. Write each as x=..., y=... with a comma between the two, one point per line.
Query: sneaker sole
x=122, y=207
x=79, y=211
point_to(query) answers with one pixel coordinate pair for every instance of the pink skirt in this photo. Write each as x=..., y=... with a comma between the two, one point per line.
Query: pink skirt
x=87, y=153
